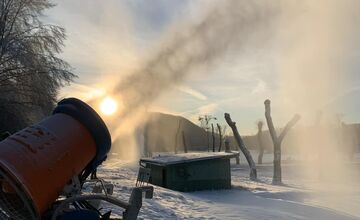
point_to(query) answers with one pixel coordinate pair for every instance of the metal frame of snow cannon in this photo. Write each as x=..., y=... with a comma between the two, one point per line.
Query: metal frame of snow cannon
x=132, y=207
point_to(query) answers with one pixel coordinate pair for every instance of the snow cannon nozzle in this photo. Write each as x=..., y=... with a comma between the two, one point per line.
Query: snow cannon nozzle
x=95, y=125
x=37, y=162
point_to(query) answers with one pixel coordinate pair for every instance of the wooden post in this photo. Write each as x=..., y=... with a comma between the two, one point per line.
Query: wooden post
x=242, y=147
x=277, y=140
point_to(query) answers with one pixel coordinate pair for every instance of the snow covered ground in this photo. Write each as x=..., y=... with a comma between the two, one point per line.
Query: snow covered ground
x=301, y=197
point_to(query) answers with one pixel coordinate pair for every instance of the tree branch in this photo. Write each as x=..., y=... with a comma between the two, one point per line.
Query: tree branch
x=288, y=126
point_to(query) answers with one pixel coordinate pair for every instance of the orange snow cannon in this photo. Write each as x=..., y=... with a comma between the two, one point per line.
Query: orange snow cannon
x=37, y=162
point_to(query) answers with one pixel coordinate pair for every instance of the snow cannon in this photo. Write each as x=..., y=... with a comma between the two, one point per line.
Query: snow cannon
x=44, y=168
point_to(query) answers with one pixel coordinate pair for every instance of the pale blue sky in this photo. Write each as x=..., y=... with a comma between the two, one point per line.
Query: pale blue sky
x=106, y=39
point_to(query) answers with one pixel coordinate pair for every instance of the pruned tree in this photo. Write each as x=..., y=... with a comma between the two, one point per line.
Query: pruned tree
x=260, y=142
x=242, y=147
x=30, y=71
x=277, y=140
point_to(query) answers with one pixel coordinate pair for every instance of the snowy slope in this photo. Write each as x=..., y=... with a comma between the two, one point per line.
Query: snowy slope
x=246, y=200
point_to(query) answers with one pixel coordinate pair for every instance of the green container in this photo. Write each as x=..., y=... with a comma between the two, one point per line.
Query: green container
x=190, y=172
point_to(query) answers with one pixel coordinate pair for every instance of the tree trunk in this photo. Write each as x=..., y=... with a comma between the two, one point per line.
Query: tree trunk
x=260, y=156
x=207, y=138
x=177, y=136
x=184, y=142
x=227, y=146
x=146, y=140
x=242, y=147
x=220, y=137
x=277, y=178
x=261, y=146
x=213, y=136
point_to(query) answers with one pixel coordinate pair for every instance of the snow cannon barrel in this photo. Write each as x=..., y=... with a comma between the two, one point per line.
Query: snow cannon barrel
x=38, y=161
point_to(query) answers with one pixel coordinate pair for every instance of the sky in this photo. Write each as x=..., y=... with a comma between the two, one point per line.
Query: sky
x=107, y=40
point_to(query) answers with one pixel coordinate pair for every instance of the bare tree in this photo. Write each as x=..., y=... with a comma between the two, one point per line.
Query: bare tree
x=277, y=140
x=204, y=121
x=242, y=147
x=30, y=71
x=259, y=137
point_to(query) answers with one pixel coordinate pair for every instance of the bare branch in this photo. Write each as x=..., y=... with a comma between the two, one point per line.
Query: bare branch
x=288, y=126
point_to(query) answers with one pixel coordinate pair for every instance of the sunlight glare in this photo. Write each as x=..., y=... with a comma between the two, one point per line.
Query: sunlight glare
x=108, y=106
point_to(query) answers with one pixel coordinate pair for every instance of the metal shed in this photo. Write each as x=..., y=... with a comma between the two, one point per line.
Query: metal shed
x=190, y=171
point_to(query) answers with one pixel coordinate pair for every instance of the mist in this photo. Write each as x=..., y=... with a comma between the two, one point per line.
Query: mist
x=315, y=66
x=188, y=47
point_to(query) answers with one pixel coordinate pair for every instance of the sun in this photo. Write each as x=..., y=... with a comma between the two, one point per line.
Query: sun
x=108, y=106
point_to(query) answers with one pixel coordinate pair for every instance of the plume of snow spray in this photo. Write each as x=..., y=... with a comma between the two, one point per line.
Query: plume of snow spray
x=312, y=38
x=315, y=49
x=190, y=47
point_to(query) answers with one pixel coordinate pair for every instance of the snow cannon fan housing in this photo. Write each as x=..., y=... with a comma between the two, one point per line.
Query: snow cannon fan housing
x=38, y=161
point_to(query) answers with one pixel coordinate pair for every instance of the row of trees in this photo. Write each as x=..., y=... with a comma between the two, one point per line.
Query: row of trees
x=337, y=134
x=205, y=123
x=276, y=139
x=31, y=73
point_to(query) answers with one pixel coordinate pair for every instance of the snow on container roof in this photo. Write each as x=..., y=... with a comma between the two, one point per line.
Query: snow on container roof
x=187, y=157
